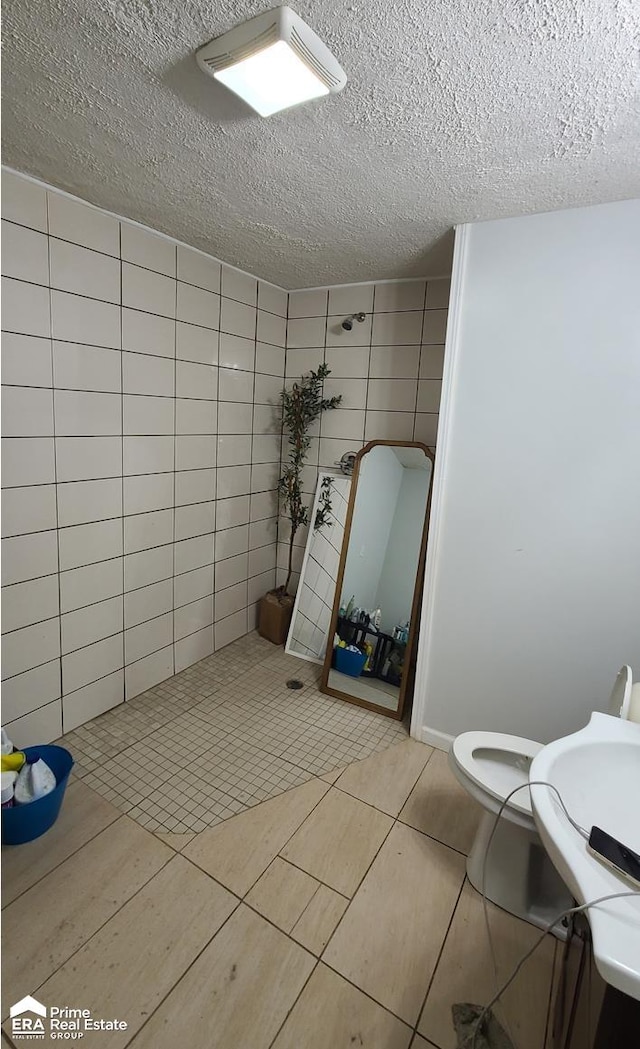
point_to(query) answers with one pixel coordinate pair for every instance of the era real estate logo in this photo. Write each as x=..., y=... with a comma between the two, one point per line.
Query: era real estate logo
x=28, y=1026
x=31, y=1019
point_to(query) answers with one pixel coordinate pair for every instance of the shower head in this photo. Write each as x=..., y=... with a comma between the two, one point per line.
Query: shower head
x=347, y=323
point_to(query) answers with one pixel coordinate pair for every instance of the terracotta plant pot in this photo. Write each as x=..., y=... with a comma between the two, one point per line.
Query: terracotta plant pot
x=274, y=616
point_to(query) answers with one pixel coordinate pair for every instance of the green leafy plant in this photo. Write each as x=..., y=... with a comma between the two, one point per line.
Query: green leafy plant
x=301, y=406
x=323, y=513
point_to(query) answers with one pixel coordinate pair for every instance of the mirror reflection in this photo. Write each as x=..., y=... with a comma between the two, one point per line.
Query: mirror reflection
x=315, y=596
x=376, y=604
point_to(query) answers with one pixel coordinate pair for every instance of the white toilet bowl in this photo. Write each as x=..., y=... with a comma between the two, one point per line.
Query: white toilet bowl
x=515, y=873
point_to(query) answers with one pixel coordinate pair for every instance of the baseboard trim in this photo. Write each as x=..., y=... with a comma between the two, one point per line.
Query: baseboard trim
x=439, y=740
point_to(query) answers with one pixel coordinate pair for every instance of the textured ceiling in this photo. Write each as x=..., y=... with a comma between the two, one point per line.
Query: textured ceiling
x=454, y=111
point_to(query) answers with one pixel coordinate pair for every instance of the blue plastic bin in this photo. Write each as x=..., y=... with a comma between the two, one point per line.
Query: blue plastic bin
x=25, y=822
x=351, y=663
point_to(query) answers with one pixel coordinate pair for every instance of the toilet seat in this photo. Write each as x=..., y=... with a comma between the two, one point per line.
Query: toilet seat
x=497, y=763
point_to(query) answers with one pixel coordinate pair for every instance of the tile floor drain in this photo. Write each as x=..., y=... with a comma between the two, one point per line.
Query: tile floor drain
x=251, y=742
x=294, y=683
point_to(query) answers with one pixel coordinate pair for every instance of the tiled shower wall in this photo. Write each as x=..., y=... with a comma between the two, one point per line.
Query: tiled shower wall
x=141, y=451
x=387, y=368
x=140, y=458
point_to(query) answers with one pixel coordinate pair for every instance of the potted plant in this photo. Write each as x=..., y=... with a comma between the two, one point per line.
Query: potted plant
x=301, y=406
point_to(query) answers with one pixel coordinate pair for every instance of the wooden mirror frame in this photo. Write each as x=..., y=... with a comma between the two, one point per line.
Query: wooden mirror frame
x=417, y=590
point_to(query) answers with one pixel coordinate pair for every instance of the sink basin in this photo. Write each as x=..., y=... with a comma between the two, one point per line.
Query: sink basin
x=597, y=772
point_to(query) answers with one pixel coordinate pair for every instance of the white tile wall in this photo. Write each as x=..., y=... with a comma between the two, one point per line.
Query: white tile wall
x=25, y=308
x=196, y=343
x=29, y=557
x=22, y=693
x=25, y=203
x=144, y=248
x=86, y=625
x=113, y=542
x=149, y=601
x=141, y=447
x=388, y=369
x=79, y=223
x=145, y=290
x=25, y=359
x=78, y=319
x=24, y=254
x=83, y=271
x=30, y=509
x=26, y=603
x=148, y=333
x=93, y=699
x=199, y=270
x=78, y=367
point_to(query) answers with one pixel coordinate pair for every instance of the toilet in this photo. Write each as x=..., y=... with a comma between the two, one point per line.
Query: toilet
x=518, y=874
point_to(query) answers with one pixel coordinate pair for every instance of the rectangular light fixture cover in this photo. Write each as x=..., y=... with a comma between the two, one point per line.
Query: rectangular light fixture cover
x=273, y=61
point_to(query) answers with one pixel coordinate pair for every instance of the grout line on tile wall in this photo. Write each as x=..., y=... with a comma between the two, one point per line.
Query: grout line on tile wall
x=252, y=456
x=122, y=498
x=55, y=481
x=368, y=377
x=122, y=305
x=175, y=448
x=417, y=396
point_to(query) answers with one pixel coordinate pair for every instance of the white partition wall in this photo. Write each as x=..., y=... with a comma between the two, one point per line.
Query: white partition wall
x=532, y=599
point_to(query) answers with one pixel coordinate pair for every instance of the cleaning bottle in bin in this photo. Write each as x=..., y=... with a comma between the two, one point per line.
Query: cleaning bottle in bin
x=35, y=779
x=6, y=789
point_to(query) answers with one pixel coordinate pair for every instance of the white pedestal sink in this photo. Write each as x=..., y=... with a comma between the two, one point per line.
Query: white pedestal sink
x=597, y=772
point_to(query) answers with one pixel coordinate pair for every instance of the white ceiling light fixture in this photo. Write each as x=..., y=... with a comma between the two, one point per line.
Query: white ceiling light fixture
x=273, y=61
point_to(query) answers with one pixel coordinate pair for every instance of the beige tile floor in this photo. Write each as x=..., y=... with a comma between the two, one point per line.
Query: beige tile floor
x=220, y=737
x=333, y=916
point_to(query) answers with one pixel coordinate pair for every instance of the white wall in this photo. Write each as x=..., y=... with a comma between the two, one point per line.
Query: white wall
x=398, y=576
x=379, y=482
x=140, y=457
x=532, y=599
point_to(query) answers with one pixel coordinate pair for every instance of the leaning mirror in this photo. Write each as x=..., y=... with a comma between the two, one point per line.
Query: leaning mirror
x=374, y=622
x=315, y=595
